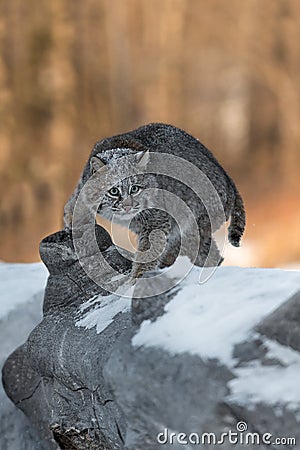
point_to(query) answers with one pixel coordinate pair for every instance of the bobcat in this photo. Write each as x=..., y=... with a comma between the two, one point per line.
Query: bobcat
x=132, y=199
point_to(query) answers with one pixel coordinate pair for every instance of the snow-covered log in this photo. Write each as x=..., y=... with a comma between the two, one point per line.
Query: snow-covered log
x=171, y=370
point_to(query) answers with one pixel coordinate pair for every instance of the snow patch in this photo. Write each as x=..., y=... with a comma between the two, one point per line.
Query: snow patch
x=103, y=309
x=19, y=283
x=210, y=319
x=269, y=384
x=112, y=155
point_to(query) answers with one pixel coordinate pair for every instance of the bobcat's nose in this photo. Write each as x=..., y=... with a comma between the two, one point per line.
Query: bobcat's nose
x=127, y=204
x=127, y=208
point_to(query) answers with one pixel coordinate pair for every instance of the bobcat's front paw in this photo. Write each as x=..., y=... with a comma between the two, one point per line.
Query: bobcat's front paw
x=137, y=271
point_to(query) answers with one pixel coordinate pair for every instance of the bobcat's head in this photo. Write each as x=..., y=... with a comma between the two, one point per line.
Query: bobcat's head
x=129, y=195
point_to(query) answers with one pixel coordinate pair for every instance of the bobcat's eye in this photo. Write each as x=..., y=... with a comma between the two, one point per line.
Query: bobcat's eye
x=114, y=192
x=134, y=189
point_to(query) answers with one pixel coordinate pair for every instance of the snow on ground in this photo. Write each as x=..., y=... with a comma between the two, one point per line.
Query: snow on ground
x=19, y=283
x=21, y=296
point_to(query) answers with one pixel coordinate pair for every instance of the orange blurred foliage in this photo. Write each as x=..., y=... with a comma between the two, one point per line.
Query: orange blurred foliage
x=74, y=72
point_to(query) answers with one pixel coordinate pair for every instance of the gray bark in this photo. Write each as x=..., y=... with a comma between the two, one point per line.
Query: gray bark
x=80, y=389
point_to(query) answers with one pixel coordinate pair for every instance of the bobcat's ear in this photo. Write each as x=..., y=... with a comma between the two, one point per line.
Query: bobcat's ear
x=143, y=159
x=96, y=164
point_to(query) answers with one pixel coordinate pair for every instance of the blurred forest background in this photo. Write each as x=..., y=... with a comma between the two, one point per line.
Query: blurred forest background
x=73, y=72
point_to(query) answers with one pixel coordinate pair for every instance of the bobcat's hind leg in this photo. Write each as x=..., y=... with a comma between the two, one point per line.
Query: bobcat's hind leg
x=171, y=252
x=209, y=254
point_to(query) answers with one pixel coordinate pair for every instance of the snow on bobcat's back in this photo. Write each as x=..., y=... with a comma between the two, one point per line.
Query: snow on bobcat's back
x=19, y=283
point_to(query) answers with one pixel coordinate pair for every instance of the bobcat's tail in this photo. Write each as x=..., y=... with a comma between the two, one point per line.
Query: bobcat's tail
x=238, y=221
